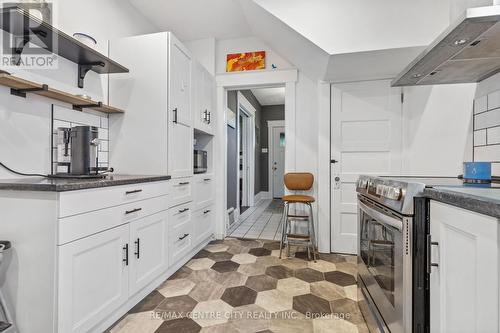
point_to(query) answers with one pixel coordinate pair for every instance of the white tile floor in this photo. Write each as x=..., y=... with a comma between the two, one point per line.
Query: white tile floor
x=261, y=221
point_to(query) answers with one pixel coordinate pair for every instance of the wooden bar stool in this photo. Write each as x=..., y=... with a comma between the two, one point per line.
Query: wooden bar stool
x=298, y=182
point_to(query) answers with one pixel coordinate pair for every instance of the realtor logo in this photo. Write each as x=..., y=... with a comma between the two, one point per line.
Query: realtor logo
x=28, y=40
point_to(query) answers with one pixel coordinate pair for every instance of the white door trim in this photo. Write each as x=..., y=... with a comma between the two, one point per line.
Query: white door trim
x=271, y=124
x=249, y=145
x=242, y=81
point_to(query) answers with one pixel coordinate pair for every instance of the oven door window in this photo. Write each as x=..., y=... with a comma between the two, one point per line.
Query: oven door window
x=377, y=250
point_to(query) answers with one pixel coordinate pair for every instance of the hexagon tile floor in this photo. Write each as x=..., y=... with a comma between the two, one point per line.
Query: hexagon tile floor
x=240, y=285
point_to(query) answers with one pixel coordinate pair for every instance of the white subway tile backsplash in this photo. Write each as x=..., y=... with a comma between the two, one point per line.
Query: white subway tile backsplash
x=81, y=118
x=481, y=104
x=487, y=119
x=480, y=138
x=494, y=100
x=487, y=154
x=104, y=145
x=103, y=157
x=103, y=134
x=104, y=122
x=495, y=169
x=60, y=123
x=494, y=135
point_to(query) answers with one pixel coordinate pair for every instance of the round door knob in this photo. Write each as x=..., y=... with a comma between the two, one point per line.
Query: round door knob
x=337, y=179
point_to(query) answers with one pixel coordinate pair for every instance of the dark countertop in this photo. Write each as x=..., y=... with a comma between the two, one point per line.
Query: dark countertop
x=484, y=200
x=63, y=185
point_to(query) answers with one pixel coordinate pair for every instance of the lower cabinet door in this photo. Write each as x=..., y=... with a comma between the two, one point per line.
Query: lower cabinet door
x=148, y=253
x=180, y=232
x=93, y=279
x=464, y=281
x=203, y=222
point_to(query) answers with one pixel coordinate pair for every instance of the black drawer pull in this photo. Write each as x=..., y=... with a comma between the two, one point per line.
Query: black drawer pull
x=138, y=244
x=133, y=211
x=125, y=248
x=207, y=179
x=175, y=116
x=207, y=211
x=183, y=183
x=185, y=235
x=183, y=210
x=132, y=192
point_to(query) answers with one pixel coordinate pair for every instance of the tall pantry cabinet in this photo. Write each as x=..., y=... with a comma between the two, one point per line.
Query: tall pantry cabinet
x=155, y=136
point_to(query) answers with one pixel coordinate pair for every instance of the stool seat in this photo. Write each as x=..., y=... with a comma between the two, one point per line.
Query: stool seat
x=298, y=198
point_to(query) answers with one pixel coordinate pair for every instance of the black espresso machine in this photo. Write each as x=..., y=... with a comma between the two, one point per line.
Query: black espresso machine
x=77, y=150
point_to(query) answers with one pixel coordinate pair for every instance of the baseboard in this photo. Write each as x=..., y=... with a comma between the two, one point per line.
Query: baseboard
x=262, y=195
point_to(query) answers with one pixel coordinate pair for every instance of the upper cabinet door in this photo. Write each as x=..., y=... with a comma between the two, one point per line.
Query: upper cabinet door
x=180, y=85
x=203, y=91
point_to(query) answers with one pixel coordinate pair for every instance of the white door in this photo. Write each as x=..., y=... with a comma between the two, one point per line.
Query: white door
x=93, y=279
x=180, y=67
x=148, y=254
x=366, y=139
x=278, y=161
x=464, y=286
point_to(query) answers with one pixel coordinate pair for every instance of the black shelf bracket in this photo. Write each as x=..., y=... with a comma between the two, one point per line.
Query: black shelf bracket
x=83, y=70
x=82, y=106
x=22, y=92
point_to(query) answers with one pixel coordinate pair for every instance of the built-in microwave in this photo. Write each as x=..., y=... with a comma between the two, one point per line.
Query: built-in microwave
x=200, y=161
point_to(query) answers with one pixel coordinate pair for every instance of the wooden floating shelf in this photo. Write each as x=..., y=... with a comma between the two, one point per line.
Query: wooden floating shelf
x=14, y=20
x=21, y=86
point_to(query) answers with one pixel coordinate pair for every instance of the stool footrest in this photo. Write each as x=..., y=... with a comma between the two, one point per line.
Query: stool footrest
x=298, y=236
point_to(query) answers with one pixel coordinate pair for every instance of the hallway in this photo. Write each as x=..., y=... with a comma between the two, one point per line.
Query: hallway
x=261, y=221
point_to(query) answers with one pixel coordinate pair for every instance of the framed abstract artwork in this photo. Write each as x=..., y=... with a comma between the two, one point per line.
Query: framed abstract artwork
x=248, y=61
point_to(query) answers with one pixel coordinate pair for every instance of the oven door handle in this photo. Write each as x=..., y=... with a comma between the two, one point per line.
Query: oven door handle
x=381, y=217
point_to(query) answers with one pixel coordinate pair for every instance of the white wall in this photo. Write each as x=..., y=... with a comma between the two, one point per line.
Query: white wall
x=204, y=51
x=25, y=123
x=437, y=129
x=226, y=46
x=339, y=26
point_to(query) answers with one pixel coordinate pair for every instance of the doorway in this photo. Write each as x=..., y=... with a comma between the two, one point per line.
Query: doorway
x=246, y=161
x=277, y=144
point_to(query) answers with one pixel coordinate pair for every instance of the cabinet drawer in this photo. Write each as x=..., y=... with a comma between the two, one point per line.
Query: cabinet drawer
x=180, y=191
x=203, y=191
x=180, y=230
x=82, y=225
x=77, y=202
x=203, y=224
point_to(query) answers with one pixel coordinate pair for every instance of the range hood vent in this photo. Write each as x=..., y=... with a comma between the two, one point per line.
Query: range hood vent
x=467, y=52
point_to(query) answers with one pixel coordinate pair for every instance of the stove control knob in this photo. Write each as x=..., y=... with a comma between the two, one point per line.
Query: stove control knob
x=393, y=193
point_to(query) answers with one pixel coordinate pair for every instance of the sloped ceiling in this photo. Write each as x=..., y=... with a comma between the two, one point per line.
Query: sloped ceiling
x=270, y=96
x=196, y=19
x=330, y=40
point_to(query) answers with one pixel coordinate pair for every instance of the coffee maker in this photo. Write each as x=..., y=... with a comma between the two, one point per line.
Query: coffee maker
x=77, y=149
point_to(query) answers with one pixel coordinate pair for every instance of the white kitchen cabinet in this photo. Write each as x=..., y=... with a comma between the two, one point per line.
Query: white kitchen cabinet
x=204, y=190
x=180, y=232
x=203, y=223
x=181, y=191
x=180, y=89
x=464, y=286
x=148, y=253
x=93, y=279
x=203, y=91
x=155, y=134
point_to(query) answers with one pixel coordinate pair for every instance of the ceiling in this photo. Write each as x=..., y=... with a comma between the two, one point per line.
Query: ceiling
x=196, y=19
x=270, y=96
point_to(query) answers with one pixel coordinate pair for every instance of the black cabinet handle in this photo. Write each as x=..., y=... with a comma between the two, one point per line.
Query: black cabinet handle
x=209, y=117
x=125, y=248
x=175, y=116
x=207, y=179
x=133, y=211
x=138, y=248
x=333, y=161
x=132, y=192
x=207, y=211
x=185, y=235
x=183, y=210
x=205, y=117
x=183, y=183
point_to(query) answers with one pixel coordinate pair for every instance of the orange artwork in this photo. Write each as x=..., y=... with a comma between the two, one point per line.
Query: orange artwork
x=248, y=61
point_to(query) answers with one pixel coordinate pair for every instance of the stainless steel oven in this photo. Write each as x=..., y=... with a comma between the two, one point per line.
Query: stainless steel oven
x=385, y=265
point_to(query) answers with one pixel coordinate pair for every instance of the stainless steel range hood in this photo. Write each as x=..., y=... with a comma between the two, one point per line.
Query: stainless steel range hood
x=468, y=51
